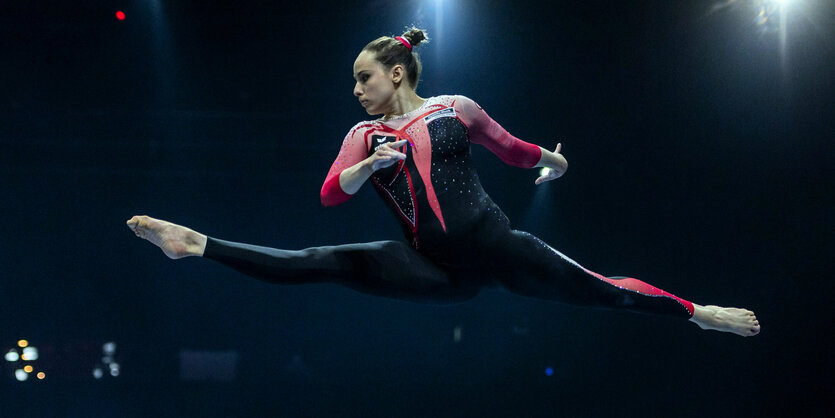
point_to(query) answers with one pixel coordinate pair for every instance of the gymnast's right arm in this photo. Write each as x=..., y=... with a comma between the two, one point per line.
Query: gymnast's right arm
x=350, y=170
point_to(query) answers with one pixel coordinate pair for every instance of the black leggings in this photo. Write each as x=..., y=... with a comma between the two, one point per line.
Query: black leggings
x=521, y=263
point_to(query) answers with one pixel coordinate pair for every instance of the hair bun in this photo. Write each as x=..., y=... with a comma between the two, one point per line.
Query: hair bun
x=415, y=36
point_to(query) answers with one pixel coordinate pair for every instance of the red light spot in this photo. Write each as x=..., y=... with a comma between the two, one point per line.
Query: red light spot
x=120, y=15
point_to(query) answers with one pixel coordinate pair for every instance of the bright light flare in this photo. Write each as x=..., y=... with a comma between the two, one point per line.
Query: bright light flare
x=12, y=356
x=771, y=15
x=120, y=15
x=22, y=343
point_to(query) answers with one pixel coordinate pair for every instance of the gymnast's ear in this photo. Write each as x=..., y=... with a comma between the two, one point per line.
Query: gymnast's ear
x=397, y=73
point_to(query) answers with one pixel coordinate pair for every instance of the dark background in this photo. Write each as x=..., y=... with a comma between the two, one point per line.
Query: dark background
x=700, y=161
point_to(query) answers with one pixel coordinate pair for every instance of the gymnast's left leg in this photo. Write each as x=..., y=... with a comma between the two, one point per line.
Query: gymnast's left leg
x=529, y=267
x=382, y=268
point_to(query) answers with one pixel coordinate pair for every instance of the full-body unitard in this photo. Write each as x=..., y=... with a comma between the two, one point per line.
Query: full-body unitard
x=459, y=240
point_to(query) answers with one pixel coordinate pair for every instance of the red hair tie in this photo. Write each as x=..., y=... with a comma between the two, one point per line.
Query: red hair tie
x=404, y=42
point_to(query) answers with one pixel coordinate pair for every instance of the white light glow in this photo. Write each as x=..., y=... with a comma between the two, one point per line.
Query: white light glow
x=456, y=334
x=21, y=375
x=544, y=171
x=12, y=356
x=30, y=353
x=109, y=348
x=98, y=373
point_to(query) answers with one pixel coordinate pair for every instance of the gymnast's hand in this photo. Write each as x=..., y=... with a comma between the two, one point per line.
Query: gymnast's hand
x=351, y=179
x=555, y=162
x=386, y=155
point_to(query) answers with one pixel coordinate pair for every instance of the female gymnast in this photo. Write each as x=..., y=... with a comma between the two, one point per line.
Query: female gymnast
x=417, y=156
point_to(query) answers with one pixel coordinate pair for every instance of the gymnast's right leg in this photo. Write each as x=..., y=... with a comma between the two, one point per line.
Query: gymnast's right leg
x=383, y=268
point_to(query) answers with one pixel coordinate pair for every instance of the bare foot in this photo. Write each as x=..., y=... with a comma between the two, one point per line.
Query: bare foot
x=175, y=241
x=738, y=321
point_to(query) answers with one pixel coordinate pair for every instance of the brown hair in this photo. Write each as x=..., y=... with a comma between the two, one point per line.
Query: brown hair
x=390, y=52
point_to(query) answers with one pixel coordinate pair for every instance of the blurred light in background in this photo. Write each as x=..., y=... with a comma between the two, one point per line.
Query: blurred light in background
x=549, y=371
x=30, y=354
x=120, y=15
x=456, y=334
x=108, y=361
x=79, y=355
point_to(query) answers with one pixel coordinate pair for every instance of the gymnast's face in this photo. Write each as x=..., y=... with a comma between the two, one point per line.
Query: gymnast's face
x=375, y=86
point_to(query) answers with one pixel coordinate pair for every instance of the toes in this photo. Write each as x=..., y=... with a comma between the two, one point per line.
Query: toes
x=135, y=225
x=139, y=220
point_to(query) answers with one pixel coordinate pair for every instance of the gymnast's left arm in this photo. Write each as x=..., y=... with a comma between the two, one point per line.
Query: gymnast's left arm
x=485, y=131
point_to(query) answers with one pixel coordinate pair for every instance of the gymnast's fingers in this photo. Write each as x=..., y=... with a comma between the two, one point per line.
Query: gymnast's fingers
x=398, y=144
x=390, y=153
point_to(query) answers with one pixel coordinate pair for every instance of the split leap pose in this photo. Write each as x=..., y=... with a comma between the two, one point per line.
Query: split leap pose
x=417, y=156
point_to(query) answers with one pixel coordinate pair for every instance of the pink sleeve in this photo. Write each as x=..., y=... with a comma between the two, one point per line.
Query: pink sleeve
x=354, y=150
x=485, y=131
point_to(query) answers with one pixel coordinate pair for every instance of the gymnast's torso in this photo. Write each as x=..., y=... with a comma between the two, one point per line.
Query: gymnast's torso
x=435, y=193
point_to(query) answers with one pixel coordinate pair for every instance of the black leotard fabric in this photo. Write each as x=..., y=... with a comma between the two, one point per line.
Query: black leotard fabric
x=459, y=239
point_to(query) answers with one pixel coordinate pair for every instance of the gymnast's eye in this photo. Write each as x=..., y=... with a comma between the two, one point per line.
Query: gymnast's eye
x=364, y=78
